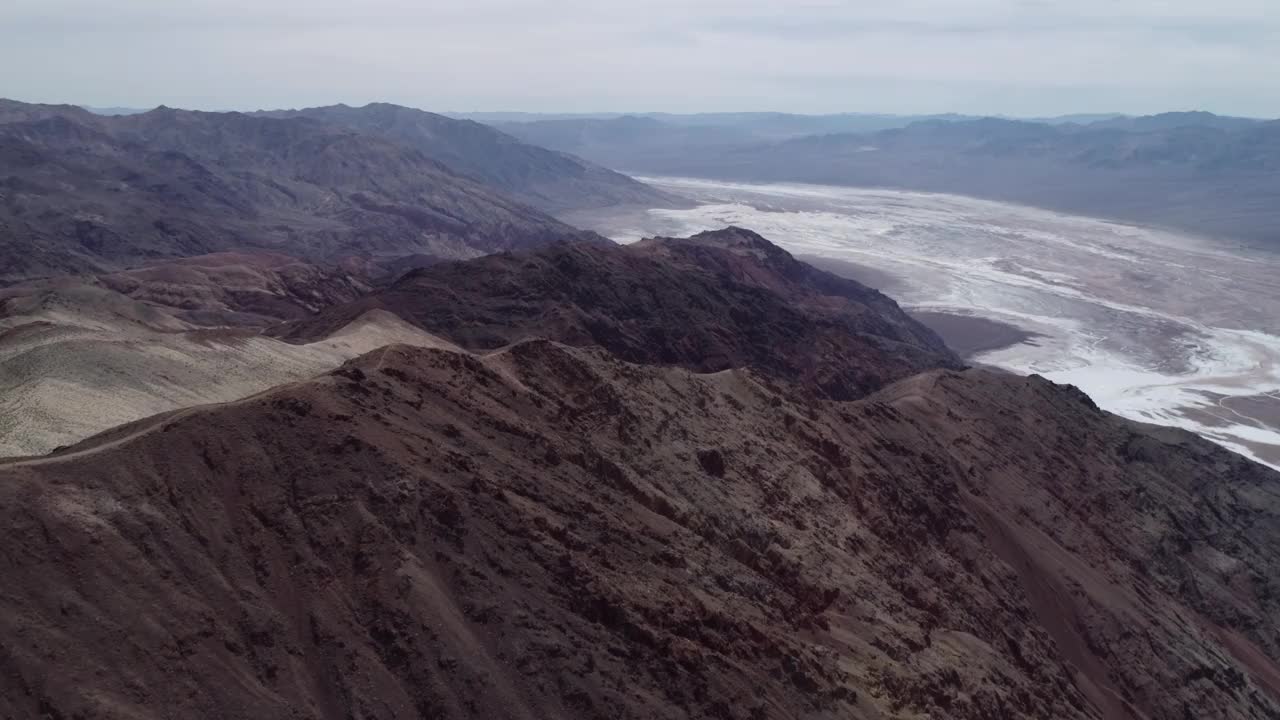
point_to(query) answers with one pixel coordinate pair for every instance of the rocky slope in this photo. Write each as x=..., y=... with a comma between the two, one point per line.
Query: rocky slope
x=61, y=383
x=85, y=193
x=717, y=300
x=79, y=355
x=737, y=487
x=239, y=289
x=546, y=179
x=218, y=290
x=552, y=532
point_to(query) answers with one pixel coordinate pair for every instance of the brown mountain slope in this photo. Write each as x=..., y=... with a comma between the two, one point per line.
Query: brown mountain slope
x=85, y=359
x=240, y=289
x=714, y=301
x=15, y=111
x=79, y=355
x=552, y=532
x=546, y=179
x=220, y=289
x=86, y=194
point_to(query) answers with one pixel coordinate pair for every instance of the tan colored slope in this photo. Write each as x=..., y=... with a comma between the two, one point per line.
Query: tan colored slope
x=66, y=374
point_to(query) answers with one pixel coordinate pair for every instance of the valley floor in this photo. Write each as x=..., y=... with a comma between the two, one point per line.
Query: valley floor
x=1155, y=326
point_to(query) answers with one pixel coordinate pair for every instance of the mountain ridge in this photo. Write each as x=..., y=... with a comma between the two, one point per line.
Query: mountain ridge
x=500, y=536
x=549, y=180
x=718, y=300
x=91, y=194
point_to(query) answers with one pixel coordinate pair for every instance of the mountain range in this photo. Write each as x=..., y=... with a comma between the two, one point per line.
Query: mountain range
x=564, y=521
x=88, y=193
x=771, y=125
x=1193, y=171
x=323, y=414
x=547, y=180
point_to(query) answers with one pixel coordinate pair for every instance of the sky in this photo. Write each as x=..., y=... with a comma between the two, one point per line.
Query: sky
x=1010, y=57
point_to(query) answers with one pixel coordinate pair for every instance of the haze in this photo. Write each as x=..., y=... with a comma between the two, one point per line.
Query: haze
x=1017, y=57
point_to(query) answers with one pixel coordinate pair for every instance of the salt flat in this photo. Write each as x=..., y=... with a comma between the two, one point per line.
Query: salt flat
x=1154, y=325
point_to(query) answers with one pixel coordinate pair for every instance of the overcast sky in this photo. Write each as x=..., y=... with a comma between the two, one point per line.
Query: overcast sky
x=1017, y=57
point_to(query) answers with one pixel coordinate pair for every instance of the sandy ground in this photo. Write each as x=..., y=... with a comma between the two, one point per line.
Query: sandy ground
x=1151, y=324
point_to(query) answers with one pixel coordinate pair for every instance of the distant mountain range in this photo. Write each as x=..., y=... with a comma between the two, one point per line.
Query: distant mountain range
x=771, y=124
x=551, y=181
x=476, y=188
x=1205, y=173
x=113, y=110
x=81, y=192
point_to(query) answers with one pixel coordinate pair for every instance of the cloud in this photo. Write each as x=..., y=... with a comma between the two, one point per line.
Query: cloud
x=1008, y=56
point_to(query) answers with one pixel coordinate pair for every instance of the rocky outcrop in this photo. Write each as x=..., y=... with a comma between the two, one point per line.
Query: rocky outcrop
x=548, y=531
x=712, y=302
x=689, y=478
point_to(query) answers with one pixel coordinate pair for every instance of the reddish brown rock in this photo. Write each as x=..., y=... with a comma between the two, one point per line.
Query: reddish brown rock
x=764, y=493
x=715, y=301
x=531, y=534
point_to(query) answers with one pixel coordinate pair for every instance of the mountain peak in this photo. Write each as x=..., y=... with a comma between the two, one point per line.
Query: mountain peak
x=548, y=180
x=719, y=300
x=736, y=238
x=171, y=183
